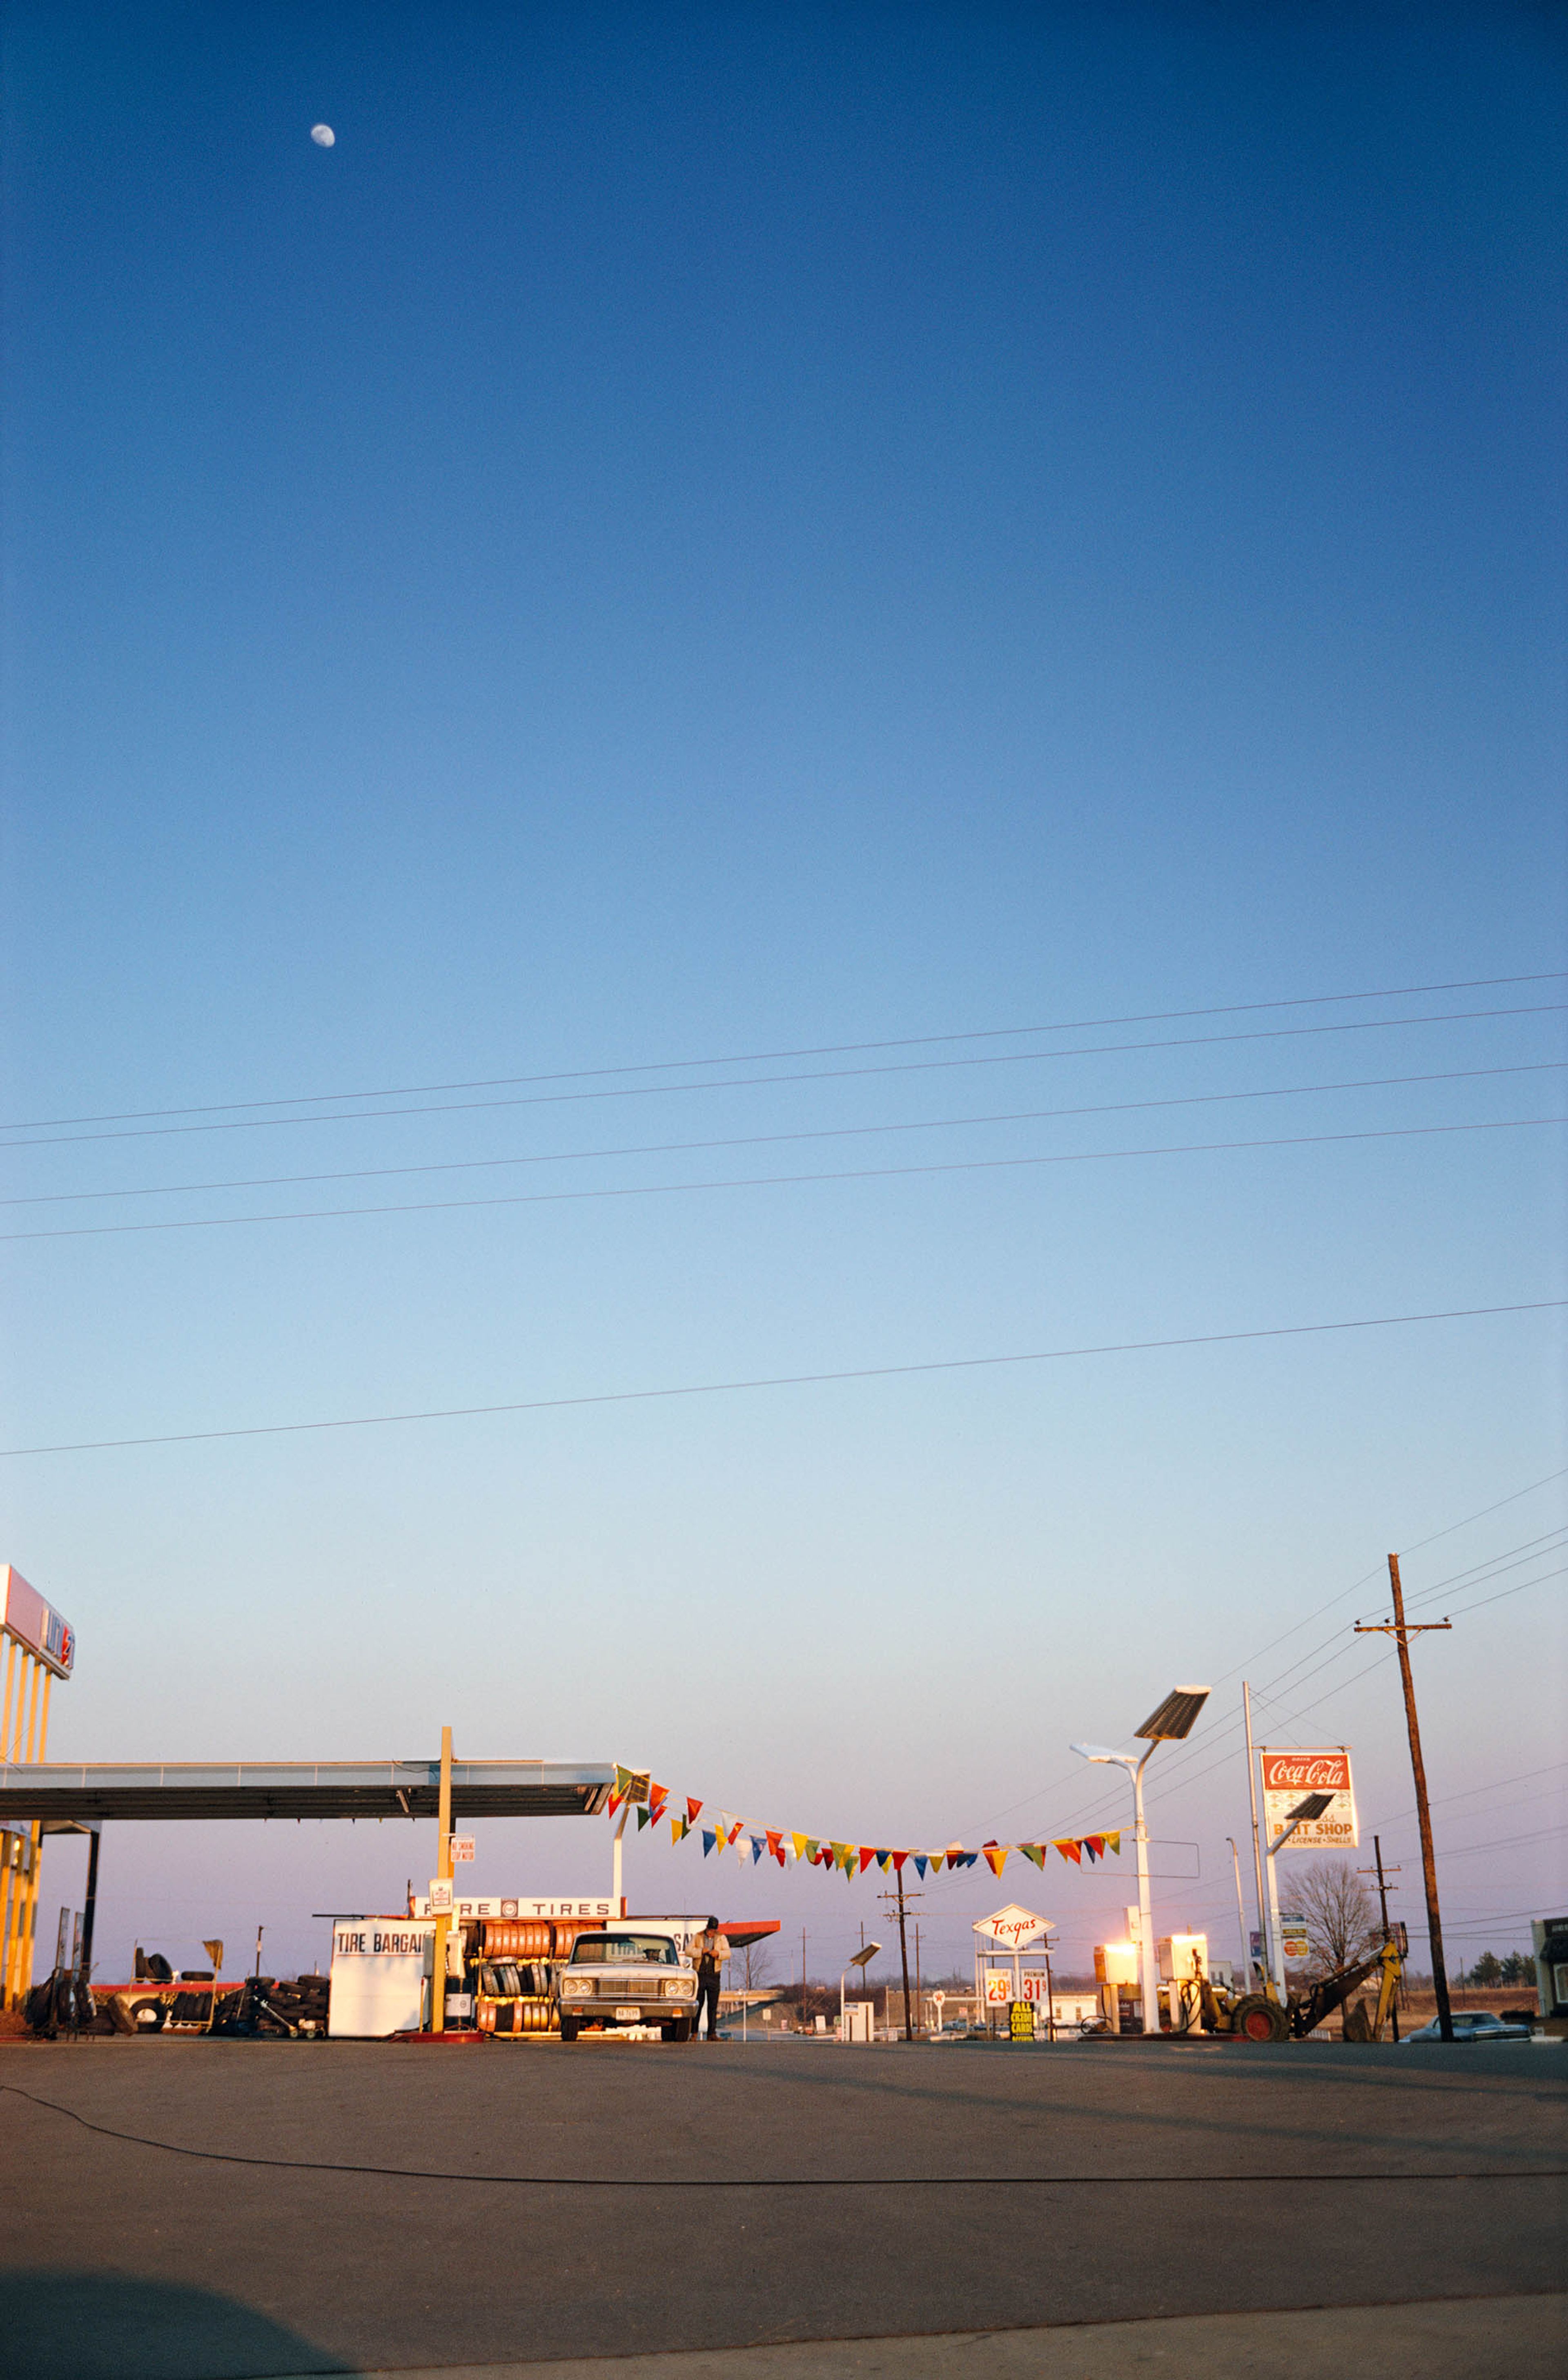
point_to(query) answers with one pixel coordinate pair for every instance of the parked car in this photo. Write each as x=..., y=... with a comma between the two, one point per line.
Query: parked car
x=1475, y=2024
x=623, y=1977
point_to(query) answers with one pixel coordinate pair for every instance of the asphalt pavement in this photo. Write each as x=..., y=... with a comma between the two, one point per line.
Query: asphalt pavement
x=208, y=2210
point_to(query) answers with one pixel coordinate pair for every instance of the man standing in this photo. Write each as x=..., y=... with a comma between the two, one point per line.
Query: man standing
x=712, y=1950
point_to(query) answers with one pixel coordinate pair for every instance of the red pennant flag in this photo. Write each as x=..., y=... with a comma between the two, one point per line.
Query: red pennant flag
x=691, y=1810
x=867, y=1855
x=1069, y=1849
x=1095, y=1846
x=612, y=1804
x=775, y=1839
x=898, y=1858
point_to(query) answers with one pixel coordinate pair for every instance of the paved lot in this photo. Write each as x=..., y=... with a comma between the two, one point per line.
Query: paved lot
x=927, y=2191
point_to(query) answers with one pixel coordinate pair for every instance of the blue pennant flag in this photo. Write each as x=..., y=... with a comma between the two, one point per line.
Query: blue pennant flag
x=709, y=1838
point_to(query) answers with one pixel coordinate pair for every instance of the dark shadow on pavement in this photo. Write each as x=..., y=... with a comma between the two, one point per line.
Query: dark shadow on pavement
x=81, y=2325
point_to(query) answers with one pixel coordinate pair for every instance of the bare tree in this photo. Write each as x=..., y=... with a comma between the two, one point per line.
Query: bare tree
x=759, y=1963
x=1340, y=1914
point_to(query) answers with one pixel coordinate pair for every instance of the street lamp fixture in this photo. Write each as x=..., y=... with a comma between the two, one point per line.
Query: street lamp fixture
x=1170, y=1722
x=862, y=1960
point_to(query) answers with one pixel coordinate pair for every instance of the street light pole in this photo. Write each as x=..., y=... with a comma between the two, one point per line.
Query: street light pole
x=1147, y=1970
x=1171, y=1723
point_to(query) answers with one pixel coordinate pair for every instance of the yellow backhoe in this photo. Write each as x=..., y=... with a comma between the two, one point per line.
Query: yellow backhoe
x=1263, y=2016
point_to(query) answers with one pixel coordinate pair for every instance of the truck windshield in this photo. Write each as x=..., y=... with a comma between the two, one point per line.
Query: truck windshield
x=623, y=1950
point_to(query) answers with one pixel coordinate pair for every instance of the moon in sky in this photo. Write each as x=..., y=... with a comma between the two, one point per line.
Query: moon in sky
x=322, y=135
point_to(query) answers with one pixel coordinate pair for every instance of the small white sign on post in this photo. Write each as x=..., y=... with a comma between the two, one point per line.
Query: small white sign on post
x=440, y=1903
x=462, y=1848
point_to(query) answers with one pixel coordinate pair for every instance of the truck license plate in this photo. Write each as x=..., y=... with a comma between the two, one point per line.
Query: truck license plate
x=627, y=2015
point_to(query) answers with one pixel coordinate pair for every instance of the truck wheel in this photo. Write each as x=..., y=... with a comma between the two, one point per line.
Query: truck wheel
x=1258, y=2019
x=148, y=2016
x=678, y=2029
x=568, y=2028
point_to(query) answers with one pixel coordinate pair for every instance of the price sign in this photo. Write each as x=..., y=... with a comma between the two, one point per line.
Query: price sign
x=998, y=1987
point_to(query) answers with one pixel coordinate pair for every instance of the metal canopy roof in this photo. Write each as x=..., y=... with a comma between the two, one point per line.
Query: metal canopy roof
x=302, y=1788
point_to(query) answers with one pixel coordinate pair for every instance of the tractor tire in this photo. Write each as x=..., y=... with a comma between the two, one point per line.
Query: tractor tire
x=569, y=2025
x=1258, y=2019
x=148, y=2016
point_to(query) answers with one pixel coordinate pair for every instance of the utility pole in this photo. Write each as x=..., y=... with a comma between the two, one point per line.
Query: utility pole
x=802, y=1979
x=1240, y=1913
x=1384, y=1887
x=1402, y=1629
x=1264, y=1941
x=890, y=1900
x=920, y=1988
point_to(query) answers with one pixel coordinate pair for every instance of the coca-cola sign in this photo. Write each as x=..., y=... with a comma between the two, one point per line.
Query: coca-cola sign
x=1289, y=1777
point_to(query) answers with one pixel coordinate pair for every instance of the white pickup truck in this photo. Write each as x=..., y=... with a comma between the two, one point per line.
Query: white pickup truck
x=626, y=1975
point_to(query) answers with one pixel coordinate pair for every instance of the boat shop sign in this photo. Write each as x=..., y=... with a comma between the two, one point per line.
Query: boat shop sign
x=1289, y=1777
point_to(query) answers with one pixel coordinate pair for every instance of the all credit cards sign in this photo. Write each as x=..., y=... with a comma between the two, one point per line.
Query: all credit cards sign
x=1289, y=1777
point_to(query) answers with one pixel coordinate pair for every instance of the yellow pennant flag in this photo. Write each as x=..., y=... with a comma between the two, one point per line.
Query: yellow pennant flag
x=996, y=1853
x=935, y=1858
x=1114, y=1842
x=802, y=1843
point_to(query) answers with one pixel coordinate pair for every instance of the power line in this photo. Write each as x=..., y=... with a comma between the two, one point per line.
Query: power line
x=776, y=1181
x=1212, y=1735
x=793, y=1379
x=778, y=1139
x=759, y=1082
x=821, y=1049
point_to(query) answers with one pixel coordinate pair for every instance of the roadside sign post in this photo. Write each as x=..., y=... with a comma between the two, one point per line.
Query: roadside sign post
x=443, y=1872
x=1012, y=1933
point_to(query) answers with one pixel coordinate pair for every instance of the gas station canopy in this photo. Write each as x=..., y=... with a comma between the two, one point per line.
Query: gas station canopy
x=57, y=1795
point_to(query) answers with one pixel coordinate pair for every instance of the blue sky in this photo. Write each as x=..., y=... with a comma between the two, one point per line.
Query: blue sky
x=691, y=533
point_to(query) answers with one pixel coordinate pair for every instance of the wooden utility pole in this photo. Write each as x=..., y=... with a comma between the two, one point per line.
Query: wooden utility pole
x=897, y=1902
x=1402, y=1629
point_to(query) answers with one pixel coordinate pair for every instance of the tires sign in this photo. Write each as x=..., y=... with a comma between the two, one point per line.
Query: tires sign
x=1289, y=1777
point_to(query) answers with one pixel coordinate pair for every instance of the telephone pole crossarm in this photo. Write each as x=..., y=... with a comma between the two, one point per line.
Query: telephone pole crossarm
x=899, y=1902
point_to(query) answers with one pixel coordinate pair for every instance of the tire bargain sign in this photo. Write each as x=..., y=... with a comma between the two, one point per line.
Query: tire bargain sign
x=1289, y=1777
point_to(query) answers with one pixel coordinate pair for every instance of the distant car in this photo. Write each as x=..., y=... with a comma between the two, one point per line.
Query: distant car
x=1475, y=2025
x=626, y=1976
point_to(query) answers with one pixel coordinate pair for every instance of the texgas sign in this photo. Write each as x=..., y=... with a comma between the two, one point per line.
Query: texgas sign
x=37, y=1625
x=1289, y=1777
x=1013, y=1927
